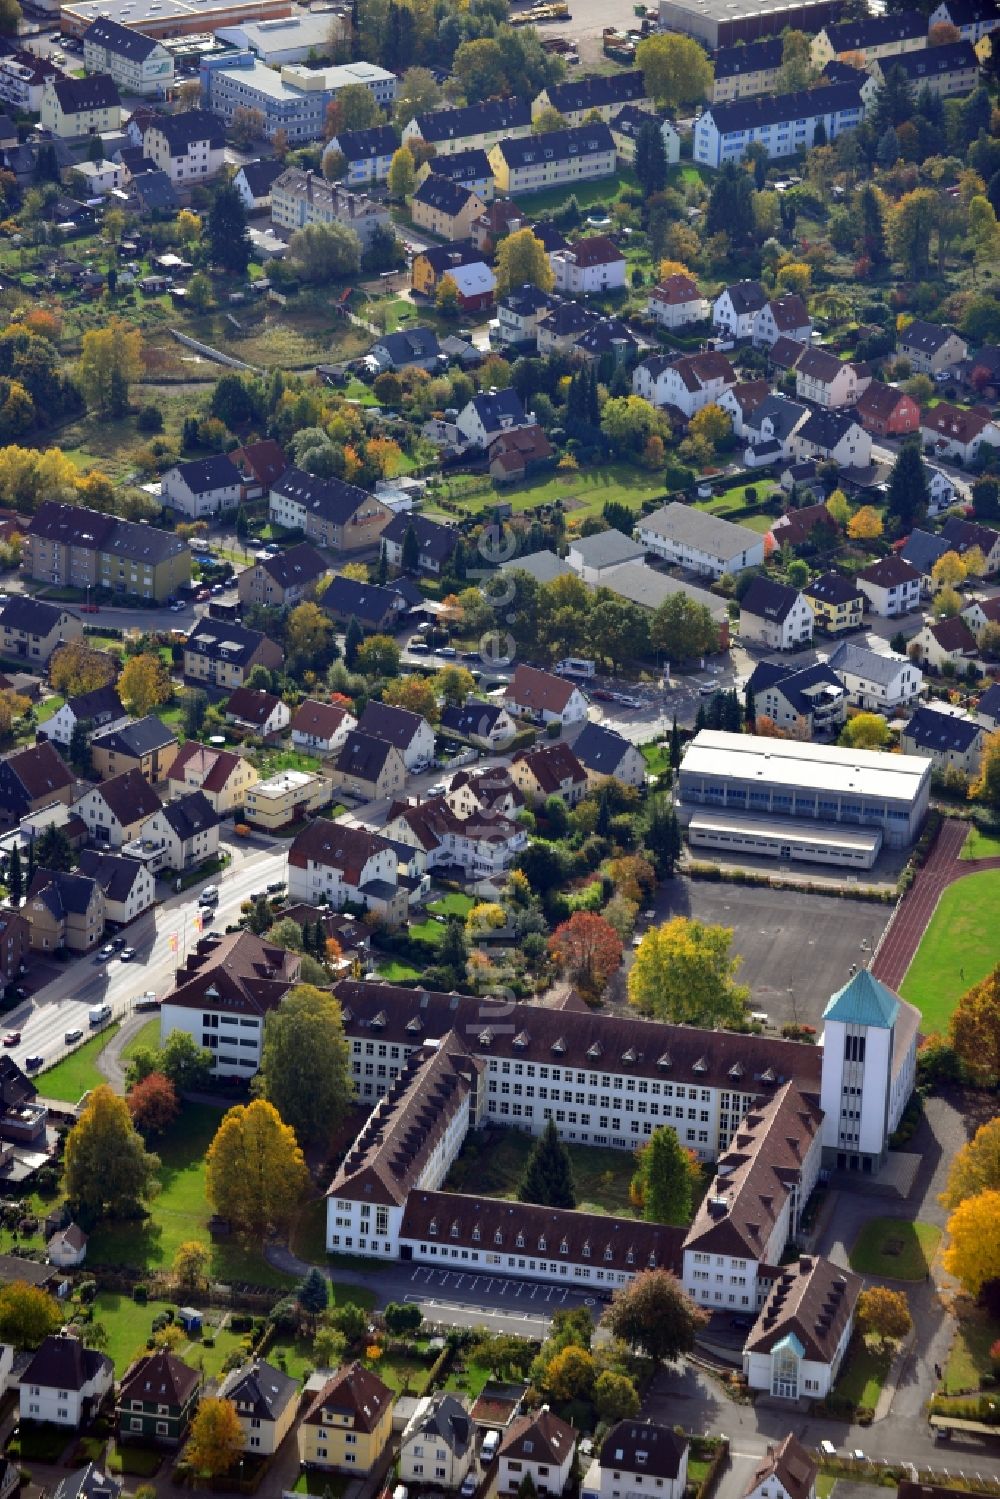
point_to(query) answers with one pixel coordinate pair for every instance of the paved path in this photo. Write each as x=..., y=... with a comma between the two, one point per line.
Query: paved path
x=909, y=920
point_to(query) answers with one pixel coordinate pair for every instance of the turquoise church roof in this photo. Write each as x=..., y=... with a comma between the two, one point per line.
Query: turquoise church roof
x=863, y=1001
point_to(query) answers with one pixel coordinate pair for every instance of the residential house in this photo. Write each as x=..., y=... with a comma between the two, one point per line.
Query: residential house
x=545, y=770
x=950, y=71
x=810, y=524
x=432, y=264
x=775, y=615
x=75, y=107
x=828, y=381
x=891, y=586
x=988, y=708
x=556, y=158
x=222, y=775
x=837, y=603
x=749, y=68
x=30, y=629
x=438, y=1445
x=578, y=99
x=591, y=556
x=625, y=128
x=321, y=728
x=966, y=535
x=782, y=123
x=975, y=19
x=486, y=725
x=788, y=1471
x=592, y=264
x=260, y=465
x=770, y=430
x=368, y=768
x=699, y=541
x=189, y=146
x=368, y=153
x=803, y=701
x=102, y=708
x=284, y=798
x=31, y=779
x=115, y=810
x=984, y=367
x=685, y=382
x=157, y=1399
x=498, y=219
x=741, y=400
x=474, y=127
x=331, y=512
x=533, y=693
x=22, y=84
x=254, y=180
x=603, y=753
x=202, y=486
x=781, y=317
x=559, y=329
x=945, y=642
x=261, y=713
x=636, y=1455
x=128, y=884
x=220, y=653
x=941, y=491
x=435, y=544
x=348, y=1424
x=952, y=432
x=538, y=1444
x=266, y=1401
x=949, y=737
x=409, y=347
x=980, y=612
x=885, y=411
x=15, y=939
x=89, y=1482
x=138, y=64
x=930, y=347
x=70, y=546
x=475, y=285
x=516, y=455
x=488, y=414
x=490, y=791
x=22, y=1122
x=67, y=1248
x=676, y=302
x=922, y=549
x=876, y=682
x=222, y=995
x=182, y=835
x=299, y=198
x=735, y=309
x=518, y=314
x=64, y=912
x=444, y=207
x=283, y=581
x=605, y=336
x=476, y=846
x=65, y=1382
x=340, y=865
x=146, y=745
x=376, y=609
x=411, y=734
x=468, y=169
x=835, y=435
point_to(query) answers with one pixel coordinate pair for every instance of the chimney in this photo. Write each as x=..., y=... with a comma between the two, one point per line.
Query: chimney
x=805, y=1262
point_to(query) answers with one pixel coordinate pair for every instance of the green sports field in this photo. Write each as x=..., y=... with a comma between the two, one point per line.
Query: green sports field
x=959, y=948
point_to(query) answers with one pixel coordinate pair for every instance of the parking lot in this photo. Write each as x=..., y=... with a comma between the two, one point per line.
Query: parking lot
x=496, y=1288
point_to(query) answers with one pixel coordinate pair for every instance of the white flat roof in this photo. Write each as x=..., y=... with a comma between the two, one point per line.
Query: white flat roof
x=798, y=831
x=282, y=781
x=819, y=767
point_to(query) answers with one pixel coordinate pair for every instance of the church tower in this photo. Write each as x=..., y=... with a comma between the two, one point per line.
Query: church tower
x=856, y=1091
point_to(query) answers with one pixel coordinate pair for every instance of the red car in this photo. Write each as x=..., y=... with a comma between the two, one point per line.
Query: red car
x=90, y=608
x=202, y=595
x=12, y=1038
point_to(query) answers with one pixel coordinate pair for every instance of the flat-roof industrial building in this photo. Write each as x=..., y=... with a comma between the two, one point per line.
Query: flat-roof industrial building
x=816, y=803
x=721, y=23
x=169, y=18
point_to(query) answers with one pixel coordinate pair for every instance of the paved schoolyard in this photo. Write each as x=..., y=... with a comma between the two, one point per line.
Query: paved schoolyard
x=797, y=949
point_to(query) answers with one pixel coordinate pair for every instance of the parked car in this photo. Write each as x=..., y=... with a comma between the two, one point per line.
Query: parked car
x=128, y=953
x=106, y=952
x=275, y=887
x=118, y=943
x=75, y=1034
x=32, y=1064
x=12, y=1038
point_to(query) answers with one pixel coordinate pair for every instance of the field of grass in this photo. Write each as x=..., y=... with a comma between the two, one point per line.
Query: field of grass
x=600, y=194
x=980, y=845
x=583, y=493
x=657, y=758
x=147, y=1036
x=896, y=1248
x=128, y=1325
x=863, y=1374
x=452, y=904
x=396, y=972
x=825, y=1485
x=957, y=949
x=969, y=1356
x=69, y=1079
x=429, y=931
x=601, y=1176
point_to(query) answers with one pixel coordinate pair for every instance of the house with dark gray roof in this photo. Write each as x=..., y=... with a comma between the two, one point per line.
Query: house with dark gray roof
x=947, y=736
x=445, y=207
x=128, y=884
x=283, y=581
x=487, y=725
x=410, y=346
x=139, y=64
x=376, y=609
x=254, y=181
x=638, y=1454
x=220, y=653
x=409, y=732
x=30, y=630
x=803, y=1329
x=75, y=107
x=591, y=556
x=836, y=435
x=602, y=752
x=471, y=126
x=266, y=1400
x=368, y=768
x=145, y=744
x=804, y=701
x=444, y=1433
x=931, y=347
x=988, y=708
x=368, y=153
x=576, y=98
x=180, y=835
x=921, y=550
x=553, y=158
x=775, y=615
x=157, y=1399
x=947, y=71
x=90, y=1482
x=80, y=548
x=203, y=486
x=876, y=681
x=490, y=413
x=330, y=512
x=435, y=543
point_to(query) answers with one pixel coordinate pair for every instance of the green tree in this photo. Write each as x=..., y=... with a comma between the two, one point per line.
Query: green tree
x=188, y=1065
x=797, y=71
x=53, y=849
x=675, y=69
x=663, y=839
x=194, y=706
x=615, y=1396
x=254, y=1171
x=353, y=640
x=521, y=261
x=378, y=657
x=325, y=252
x=730, y=205
x=357, y=107
x=28, y=1315
x=226, y=231
x=305, y=1066
x=652, y=1315
x=662, y=1183
x=402, y=174
x=682, y=629
x=911, y=225
x=548, y=1174
x=684, y=972
x=110, y=360
x=865, y=731
x=313, y=1293
x=479, y=68
x=108, y=1172
x=908, y=494
x=79, y=747
x=650, y=158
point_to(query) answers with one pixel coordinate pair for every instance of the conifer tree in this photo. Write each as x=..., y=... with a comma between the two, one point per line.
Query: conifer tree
x=548, y=1175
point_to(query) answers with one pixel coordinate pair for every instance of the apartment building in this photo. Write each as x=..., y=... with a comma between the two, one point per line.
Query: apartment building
x=139, y=64
x=784, y=124
x=870, y=38
x=340, y=865
x=753, y=68
x=30, y=629
x=299, y=198
x=294, y=98
x=75, y=107
x=221, y=653
x=555, y=158
x=699, y=541
x=837, y=603
x=330, y=512
x=72, y=547
x=876, y=681
x=951, y=71
x=578, y=99
x=189, y=147
x=444, y=207
x=473, y=127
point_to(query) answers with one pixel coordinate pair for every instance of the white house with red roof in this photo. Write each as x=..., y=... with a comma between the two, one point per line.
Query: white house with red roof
x=676, y=302
x=533, y=693
x=594, y=264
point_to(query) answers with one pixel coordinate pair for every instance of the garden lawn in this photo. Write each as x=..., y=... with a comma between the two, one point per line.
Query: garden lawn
x=602, y=1177
x=980, y=845
x=396, y=972
x=71, y=1078
x=825, y=1485
x=429, y=931
x=584, y=493
x=452, y=904
x=698, y=1470
x=863, y=1374
x=269, y=762
x=400, y=1373
x=957, y=949
x=49, y=708
x=601, y=193
x=469, y=1379
x=896, y=1248
x=128, y=1325
x=324, y=1485
x=969, y=1357
x=148, y=1036
x=657, y=758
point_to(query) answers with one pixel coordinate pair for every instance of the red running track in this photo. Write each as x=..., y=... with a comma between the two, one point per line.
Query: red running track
x=909, y=921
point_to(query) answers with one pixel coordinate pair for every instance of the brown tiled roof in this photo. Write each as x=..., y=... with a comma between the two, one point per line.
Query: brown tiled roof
x=265, y=460
x=786, y=352
x=251, y=706
x=486, y=1223
x=676, y=290
x=953, y=635
x=321, y=719
x=595, y=249
x=40, y=770
x=540, y=690
x=756, y=1175
x=662, y=1449
x=818, y=364
x=955, y=422
x=794, y=526
x=160, y=1379
x=881, y=401
x=889, y=571
x=492, y=787
x=241, y=975
x=789, y=311
x=551, y=764
x=696, y=370
x=964, y=534
x=586, y=1039
x=748, y=394
x=335, y=845
x=541, y=1436
x=431, y=820
x=519, y=446
x=812, y=1298
x=130, y=797
x=408, y=1123
x=354, y=1392
x=215, y=766
x=793, y=1467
